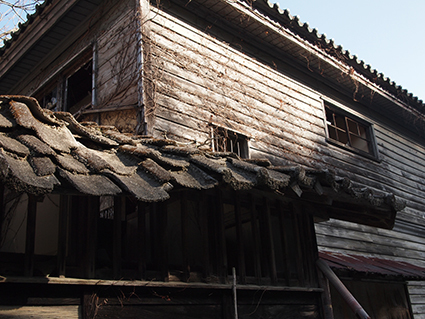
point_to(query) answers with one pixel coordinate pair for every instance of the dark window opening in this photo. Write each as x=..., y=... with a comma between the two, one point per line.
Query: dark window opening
x=79, y=88
x=225, y=140
x=71, y=88
x=350, y=132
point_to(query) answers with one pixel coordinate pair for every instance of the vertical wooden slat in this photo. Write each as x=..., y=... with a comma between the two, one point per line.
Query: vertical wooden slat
x=297, y=211
x=119, y=203
x=91, y=231
x=285, y=242
x=141, y=234
x=203, y=219
x=64, y=209
x=163, y=240
x=256, y=240
x=221, y=237
x=30, y=235
x=239, y=238
x=314, y=253
x=184, y=236
x=2, y=214
x=268, y=235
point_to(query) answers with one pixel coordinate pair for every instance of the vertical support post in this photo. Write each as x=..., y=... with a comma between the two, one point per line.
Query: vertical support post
x=163, y=249
x=63, y=233
x=2, y=213
x=268, y=236
x=235, y=298
x=203, y=219
x=256, y=240
x=141, y=233
x=30, y=235
x=239, y=239
x=91, y=235
x=119, y=208
x=184, y=234
x=221, y=242
x=284, y=242
x=297, y=211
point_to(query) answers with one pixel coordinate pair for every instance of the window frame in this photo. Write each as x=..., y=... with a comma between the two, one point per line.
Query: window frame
x=228, y=134
x=369, y=131
x=59, y=81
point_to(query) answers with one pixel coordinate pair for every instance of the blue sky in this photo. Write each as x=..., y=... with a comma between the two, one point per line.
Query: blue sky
x=386, y=34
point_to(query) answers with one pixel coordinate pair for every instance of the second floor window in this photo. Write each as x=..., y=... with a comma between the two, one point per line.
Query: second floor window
x=225, y=140
x=71, y=89
x=349, y=131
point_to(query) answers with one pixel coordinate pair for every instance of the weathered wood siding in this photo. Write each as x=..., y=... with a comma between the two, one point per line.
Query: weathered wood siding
x=200, y=79
x=416, y=292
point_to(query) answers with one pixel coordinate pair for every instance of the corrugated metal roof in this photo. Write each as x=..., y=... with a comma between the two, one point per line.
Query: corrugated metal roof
x=43, y=151
x=372, y=266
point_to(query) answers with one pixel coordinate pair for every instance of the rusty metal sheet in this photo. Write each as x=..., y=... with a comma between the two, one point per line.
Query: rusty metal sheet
x=372, y=265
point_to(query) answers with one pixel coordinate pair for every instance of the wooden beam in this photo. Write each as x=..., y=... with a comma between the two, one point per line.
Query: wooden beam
x=267, y=234
x=30, y=235
x=255, y=239
x=297, y=212
x=284, y=242
x=203, y=219
x=163, y=241
x=184, y=236
x=64, y=209
x=92, y=216
x=221, y=237
x=240, y=239
x=119, y=208
x=141, y=234
x=2, y=214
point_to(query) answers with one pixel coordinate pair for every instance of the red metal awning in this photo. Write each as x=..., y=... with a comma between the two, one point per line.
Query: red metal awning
x=372, y=265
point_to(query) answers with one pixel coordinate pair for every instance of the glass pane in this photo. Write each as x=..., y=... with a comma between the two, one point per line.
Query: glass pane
x=342, y=136
x=329, y=117
x=359, y=143
x=332, y=133
x=340, y=122
x=363, y=132
x=352, y=127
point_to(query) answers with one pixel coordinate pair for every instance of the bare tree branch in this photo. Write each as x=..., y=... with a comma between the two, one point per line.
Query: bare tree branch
x=13, y=12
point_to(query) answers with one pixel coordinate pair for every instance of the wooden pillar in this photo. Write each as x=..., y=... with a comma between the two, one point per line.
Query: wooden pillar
x=221, y=237
x=297, y=212
x=92, y=216
x=163, y=241
x=64, y=209
x=256, y=240
x=203, y=208
x=268, y=239
x=30, y=235
x=119, y=208
x=184, y=236
x=141, y=234
x=240, y=239
x=2, y=214
x=284, y=242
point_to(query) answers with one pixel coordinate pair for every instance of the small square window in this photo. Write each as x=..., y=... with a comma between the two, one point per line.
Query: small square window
x=224, y=140
x=346, y=130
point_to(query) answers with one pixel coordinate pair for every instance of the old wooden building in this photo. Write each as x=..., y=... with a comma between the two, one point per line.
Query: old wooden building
x=203, y=159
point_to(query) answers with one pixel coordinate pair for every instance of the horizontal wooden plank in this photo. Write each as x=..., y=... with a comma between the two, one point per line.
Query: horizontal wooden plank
x=48, y=312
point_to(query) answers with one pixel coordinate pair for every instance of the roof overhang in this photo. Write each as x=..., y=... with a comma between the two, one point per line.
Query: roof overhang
x=51, y=24
x=43, y=152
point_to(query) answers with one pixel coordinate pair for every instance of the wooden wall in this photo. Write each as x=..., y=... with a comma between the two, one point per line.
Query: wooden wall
x=201, y=79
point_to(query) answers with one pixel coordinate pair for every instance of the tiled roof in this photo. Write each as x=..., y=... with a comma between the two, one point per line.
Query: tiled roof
x=43, y=151
x=366, y=265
